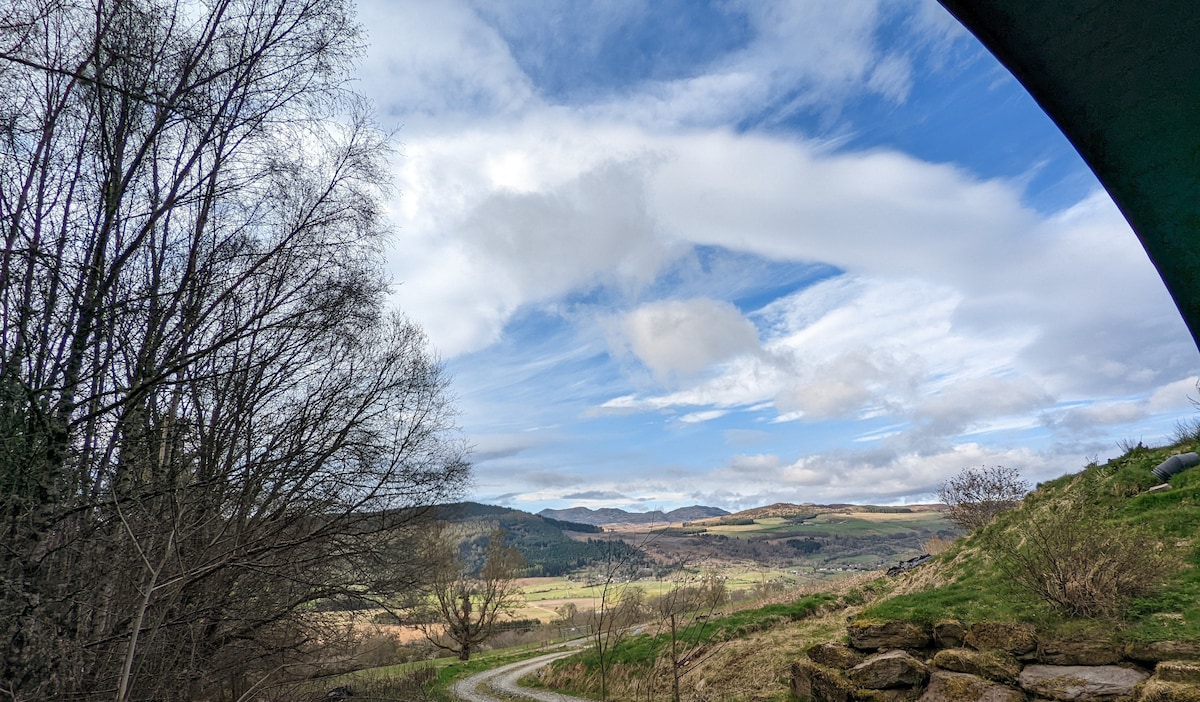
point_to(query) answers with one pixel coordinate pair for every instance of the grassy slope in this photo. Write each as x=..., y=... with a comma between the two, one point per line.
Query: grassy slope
x=751, y=655
x=966, y=584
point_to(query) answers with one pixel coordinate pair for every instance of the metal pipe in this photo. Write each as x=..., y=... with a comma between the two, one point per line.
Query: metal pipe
x=1175, y=464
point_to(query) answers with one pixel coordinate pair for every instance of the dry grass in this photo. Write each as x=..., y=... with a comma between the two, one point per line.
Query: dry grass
x=936, y=545
x=753, y=668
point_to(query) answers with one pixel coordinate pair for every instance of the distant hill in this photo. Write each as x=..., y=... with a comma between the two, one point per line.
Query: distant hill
x=609, y=515
x=546, y=543
x=787, y=509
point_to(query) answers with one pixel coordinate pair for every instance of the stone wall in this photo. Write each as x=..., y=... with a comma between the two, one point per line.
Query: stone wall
x=992, y=662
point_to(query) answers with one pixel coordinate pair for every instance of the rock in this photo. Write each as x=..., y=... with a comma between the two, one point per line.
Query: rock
x=1178, y=671
x=819, y=683
x=834, y=655
x=1079, y=652
x=1016, y=638
x=872, y=636
x=884, y=671
x=949, y=633
x=1160, y=691
x=994, y=664
x=1080, y=682
x=1162, y=651
x=902, y=694
x=945, y=686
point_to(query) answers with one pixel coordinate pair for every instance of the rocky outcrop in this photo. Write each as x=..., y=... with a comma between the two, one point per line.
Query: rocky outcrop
x=1086, y=683
x=995, y=665
x=885, y=671
x=992, y=662
x=820, y=684
x=1078, y=652
x=1017, y=638
x=899, y=694
x=834, y=655
x=873, y=636
x=945, y=686
x=1156, y=651
x=949, y=633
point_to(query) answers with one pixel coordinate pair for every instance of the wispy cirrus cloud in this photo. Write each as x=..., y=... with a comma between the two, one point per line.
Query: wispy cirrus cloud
x=664, y=248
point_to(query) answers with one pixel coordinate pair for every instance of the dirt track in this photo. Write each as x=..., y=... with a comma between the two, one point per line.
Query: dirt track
x=504, y=680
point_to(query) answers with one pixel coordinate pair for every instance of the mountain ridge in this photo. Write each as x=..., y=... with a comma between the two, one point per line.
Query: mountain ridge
x=606, y=516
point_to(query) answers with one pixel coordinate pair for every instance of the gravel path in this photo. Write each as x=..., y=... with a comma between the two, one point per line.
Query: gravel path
x=504, y=680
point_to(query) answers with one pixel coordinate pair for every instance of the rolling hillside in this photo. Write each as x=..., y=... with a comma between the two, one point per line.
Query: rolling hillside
x=550, y=546
x=610, y=516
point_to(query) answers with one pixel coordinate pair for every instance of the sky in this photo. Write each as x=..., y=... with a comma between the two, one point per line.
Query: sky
x=740, y=252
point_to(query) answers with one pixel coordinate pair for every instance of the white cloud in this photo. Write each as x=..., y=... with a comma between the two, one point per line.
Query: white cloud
x=874, y=475
x=706, y=416
x=892, y=78
x=959, y=309
x=438, y=61
x=685, y=337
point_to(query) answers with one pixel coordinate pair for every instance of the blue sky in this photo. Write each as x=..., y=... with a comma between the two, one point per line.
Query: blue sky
x=743, y=252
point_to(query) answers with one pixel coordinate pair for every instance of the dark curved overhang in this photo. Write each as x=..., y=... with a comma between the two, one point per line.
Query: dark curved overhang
x=1121, y=79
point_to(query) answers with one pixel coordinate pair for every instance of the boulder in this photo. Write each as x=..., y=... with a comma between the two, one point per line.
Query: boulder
x=899, y=694
x=1178, y=672
x=872, y=636
x=995, y=664
x=1017, y=638
x=1154, y=690
x=945, y=686
x=819, y=683
x=1079, y=652
x=949, y=633
x=1080, y=682
x=834, y=655
x=1162, y=651
x=884, y=671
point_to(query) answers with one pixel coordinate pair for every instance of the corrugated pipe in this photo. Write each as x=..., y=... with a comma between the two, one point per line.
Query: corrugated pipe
x=1175, y=464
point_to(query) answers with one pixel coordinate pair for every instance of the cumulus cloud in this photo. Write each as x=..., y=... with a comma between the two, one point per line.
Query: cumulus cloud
x=951, y=310
x=871, y=474
x=438, y=61
x=684, y=337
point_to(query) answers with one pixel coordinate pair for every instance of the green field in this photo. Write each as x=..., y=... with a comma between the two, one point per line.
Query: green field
x=837, y=524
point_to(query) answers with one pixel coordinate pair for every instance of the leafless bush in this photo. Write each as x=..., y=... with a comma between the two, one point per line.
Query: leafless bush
x=976, y=495
x=1078, y=563
x=1129, y=445
x=1186, y=430
x=936, y=544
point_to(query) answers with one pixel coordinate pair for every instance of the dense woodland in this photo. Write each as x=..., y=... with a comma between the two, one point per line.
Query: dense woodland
x=550, y=547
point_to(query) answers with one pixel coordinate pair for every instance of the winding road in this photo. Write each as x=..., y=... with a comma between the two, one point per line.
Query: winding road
x=504, y=681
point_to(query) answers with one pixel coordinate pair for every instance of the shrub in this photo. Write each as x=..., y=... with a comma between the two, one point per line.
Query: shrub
x=976, y=495
x=1070, y=558
x=937, y=544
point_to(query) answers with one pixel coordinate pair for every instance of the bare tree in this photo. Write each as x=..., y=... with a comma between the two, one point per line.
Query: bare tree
x=207, y=421
x=976, y=495
x=619, y=605
x=469, y=605
x=684, y=611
